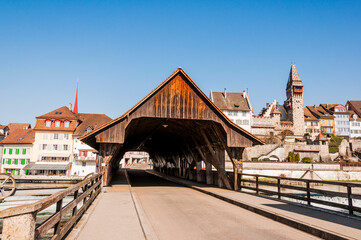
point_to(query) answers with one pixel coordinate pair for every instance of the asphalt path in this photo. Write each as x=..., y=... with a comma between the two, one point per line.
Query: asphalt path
x=177, y=212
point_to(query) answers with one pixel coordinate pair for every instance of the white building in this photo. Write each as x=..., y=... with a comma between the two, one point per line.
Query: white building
x=17, y=151
x=236, y=106
x=84, y=156
x=57, y=150
x=354, y=107
x=53, y=146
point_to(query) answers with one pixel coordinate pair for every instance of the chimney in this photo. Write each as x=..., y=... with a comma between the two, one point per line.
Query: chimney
x=225, y=92
x=244, y=94
x=70, y=107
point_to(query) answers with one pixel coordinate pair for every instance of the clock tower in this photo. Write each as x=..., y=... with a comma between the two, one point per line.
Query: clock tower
x=294, y=102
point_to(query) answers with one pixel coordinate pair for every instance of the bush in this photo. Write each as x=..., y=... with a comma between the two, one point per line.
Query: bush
x=291, y=157
x=254, y=159
x=266, y=159
x=307, y=160
x=334, y=144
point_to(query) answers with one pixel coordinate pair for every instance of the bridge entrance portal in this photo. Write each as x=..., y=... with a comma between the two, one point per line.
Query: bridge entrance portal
x=180, y=128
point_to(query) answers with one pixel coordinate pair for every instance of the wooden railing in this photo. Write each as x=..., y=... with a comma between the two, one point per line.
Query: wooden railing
x=305, y=189
x=20, y=222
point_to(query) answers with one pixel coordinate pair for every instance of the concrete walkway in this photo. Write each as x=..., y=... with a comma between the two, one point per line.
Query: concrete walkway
x=319, y=223
x=114, y=216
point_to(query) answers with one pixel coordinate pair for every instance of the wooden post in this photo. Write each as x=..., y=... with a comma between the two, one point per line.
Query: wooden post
x=257, y=191
x=279, y=188
x=209, y=173
x=308, y=193
x=199, y=168
x=350, y=207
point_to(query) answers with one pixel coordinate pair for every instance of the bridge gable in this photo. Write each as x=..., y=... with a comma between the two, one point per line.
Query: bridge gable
x=178, y=97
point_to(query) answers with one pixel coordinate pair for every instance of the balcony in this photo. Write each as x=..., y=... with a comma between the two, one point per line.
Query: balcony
x=83, y=158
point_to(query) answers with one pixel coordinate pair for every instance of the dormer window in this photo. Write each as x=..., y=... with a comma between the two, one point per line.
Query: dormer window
x=57, y=123
x=89, y=129
x=48, y=123
x=66, y=124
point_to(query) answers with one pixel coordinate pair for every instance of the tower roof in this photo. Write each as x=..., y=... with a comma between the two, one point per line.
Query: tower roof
x=294, y=77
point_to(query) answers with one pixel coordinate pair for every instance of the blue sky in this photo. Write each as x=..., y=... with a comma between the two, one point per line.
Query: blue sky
x=121, y=50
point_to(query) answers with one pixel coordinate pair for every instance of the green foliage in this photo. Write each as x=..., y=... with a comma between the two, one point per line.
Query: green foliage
x=320, y=160
x=266, y=159
x=334, y=144
x=254, y=159
x=307, y=160
x=291, y=157
x=297, y=157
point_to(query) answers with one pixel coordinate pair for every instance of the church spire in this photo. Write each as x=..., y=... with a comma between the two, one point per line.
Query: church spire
x=76, y=100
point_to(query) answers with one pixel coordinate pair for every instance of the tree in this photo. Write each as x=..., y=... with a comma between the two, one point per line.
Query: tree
x=291, y=157
x=307, y=160
x=297, y=157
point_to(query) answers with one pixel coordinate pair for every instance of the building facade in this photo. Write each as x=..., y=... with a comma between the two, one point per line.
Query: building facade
x=236, y=106
x=354, y=107
x=17, y=151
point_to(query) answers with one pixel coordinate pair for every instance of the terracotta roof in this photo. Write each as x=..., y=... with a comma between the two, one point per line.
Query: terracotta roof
x=355, y=106
x=40, y=125
x=233, y=101
x=179, y=70
x=88, y=120
x=352, y=113
x=14, y=126
x=308, y=115
x=2, y=126
x=20, y=136
x=319, y=112
x=60, y=113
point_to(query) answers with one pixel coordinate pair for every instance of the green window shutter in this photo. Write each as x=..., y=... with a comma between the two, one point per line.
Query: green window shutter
x=10, y=151
x=24, y=151
x=4, y=150
x=3, y=160
x=9, y=161
x=17, y=151
x=22, y=161
x=12, y=171
x=16, y=161
x=26, y=172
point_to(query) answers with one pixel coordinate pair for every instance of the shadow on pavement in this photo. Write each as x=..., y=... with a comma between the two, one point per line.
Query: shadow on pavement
x=140, y=178
x=330, y=217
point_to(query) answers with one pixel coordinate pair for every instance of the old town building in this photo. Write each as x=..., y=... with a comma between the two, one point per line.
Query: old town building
x=236, y=106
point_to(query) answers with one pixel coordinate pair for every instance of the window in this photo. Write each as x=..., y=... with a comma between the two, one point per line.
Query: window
x=83, y=164
x=65, y=147
x=22, y=161
x=314, y=123
x=328, y=122
x=55, y=147
x=27, y=161
x=16, y=161
x=239, y=122
x=10, y=151
x=244, y=113
x=17, y=151
x=9, y=161
x=44, y=146
x=48, y=123
x=24, y=151
x=89, y=129
x=323, y=122
x=66, y=136
x=45, y=136
x=245, y=122
x=56, y=136
x=305, y=123
x=66, y=124
x=57, y=123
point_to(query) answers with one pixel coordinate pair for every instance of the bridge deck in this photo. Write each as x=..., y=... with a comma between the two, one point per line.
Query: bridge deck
x=171, y=211
x=340, y=225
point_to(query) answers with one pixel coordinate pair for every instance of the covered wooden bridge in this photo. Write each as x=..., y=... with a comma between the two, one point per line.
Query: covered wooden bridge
x=179, y=126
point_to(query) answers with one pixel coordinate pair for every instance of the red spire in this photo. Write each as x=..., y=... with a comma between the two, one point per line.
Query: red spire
x=76, y=100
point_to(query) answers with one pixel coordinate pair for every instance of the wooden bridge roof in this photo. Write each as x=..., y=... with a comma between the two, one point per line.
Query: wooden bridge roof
x=177, y=98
